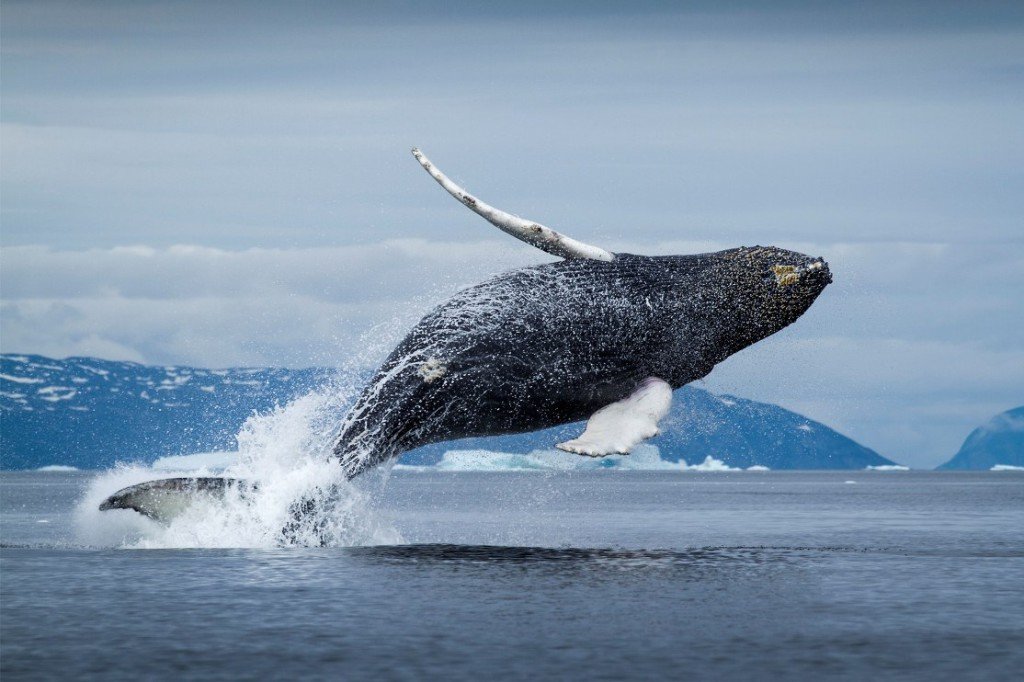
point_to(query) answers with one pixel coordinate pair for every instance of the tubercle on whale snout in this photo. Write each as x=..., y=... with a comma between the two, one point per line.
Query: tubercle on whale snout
x=816, y=272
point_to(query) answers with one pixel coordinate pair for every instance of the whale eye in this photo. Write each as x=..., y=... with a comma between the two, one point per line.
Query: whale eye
x=785, y=275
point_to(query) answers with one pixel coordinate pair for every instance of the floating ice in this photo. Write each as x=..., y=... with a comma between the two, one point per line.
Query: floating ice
x=643, y=458
x=212, y=461
x=710, y=464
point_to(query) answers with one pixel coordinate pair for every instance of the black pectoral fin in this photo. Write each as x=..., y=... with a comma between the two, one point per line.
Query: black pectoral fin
x=164, y=499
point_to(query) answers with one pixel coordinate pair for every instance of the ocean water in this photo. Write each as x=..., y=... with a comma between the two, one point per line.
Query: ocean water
x=558, y=574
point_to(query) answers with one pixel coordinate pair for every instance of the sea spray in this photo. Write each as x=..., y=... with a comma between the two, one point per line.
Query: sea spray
x=285, y=454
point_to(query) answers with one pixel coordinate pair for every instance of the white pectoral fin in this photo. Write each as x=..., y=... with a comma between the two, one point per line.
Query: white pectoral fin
x=619, y=427
x=529, y=231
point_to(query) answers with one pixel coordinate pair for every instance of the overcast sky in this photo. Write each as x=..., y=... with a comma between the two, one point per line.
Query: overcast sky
x=230, y=184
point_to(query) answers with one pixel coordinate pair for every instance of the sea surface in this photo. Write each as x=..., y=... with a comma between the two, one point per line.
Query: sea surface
x=541, y=575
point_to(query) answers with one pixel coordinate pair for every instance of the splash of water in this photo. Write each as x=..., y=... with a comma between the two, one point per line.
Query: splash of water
x=285, y=454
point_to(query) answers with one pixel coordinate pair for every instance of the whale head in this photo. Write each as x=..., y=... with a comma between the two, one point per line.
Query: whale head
x=768, y=288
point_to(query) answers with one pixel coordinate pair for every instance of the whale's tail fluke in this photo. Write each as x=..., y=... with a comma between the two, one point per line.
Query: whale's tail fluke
x=164, y=499
x=544, y=238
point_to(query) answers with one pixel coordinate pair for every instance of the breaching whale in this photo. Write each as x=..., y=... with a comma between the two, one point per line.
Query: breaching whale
x=595, y=335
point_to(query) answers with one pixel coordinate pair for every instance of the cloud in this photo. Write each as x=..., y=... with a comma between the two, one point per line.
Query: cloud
x=206, y=306
x=293, y=128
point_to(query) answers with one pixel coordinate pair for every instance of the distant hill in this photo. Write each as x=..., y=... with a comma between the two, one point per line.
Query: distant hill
x=1000, y=441
x=739, y=432
x=91, y=413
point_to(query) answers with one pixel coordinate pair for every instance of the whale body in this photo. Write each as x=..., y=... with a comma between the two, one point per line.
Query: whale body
x=555, y=343
x=597, y=334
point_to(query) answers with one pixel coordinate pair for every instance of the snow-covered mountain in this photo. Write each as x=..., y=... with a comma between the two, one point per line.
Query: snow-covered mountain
x=91, y=413
x=999, y=443
x=739, y=432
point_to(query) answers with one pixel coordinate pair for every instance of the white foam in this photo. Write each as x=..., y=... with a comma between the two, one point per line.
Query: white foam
x=57, y=467
x=284, y=453
x=887, y=467
x=1006, y=467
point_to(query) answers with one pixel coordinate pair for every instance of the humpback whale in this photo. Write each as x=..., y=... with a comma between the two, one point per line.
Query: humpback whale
x=595, y=335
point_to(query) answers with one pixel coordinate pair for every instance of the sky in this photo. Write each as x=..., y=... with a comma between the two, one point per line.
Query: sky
x=225, y=184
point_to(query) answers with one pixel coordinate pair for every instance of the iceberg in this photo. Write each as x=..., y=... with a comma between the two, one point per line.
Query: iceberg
x=643, y=458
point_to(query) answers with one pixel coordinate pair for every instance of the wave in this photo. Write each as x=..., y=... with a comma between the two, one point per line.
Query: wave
x=1006, y=467
x=887, y=467
x=58, y=467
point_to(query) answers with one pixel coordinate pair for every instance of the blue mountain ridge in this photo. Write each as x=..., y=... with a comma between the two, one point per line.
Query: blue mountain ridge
x=1000, y=441
x=91, y=413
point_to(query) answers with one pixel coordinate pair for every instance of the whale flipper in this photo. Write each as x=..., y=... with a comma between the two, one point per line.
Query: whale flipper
x=529, y=231
x=164, y=499
x=619, y=427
